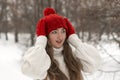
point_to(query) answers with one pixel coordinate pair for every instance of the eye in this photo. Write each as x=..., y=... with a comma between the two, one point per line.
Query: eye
x=63, y=31
x=54, y=32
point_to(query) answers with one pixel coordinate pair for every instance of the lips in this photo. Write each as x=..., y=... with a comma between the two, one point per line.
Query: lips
x=59, y=41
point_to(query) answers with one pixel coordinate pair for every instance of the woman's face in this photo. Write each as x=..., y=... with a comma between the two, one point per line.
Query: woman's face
x=57, y=37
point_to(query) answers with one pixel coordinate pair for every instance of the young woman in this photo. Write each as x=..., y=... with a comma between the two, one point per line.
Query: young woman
x=58, y=53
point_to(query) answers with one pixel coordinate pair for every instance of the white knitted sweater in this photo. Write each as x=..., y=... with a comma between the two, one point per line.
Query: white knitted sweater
x=37, y=62
x=59, y=57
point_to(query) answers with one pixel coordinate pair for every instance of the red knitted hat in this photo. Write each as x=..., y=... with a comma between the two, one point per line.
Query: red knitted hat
x=50, y=21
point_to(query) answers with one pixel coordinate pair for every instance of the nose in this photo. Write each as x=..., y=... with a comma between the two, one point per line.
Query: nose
x=60, y=35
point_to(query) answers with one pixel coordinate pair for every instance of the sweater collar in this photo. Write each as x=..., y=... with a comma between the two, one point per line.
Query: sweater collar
x=58, y=51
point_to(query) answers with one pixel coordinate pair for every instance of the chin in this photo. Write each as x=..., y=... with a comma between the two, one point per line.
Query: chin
x=58, y=47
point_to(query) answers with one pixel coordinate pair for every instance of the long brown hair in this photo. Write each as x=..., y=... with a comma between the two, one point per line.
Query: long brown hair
x=73, y=64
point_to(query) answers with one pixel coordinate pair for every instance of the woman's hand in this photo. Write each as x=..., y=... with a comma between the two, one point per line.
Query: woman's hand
x=40, y=28
x=71, y=29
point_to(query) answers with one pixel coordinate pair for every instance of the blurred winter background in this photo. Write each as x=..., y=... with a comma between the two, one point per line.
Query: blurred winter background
x=96, y=22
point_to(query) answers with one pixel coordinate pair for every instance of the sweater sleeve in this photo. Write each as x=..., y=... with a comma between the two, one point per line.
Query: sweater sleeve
x=87, y=54
x=36, y=61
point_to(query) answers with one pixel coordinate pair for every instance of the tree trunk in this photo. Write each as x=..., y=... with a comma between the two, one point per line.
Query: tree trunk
x=6, y=36
x=16, y=35
x=89, y=35
x=49, y=3
x=56, y=5
x=0, y=34
x=32, y=39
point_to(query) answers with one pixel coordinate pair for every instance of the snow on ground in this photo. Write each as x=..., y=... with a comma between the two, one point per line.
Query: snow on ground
x=110, y=68
x=10, y=59
x=11, y=56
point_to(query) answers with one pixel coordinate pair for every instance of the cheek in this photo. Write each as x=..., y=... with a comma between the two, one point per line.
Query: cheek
x=64, y=36
x=52, y=39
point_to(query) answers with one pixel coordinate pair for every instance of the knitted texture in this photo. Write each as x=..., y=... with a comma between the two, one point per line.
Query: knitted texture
x=52, y=21
x=49, y=11
x=71, y=29
x=40, y=30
